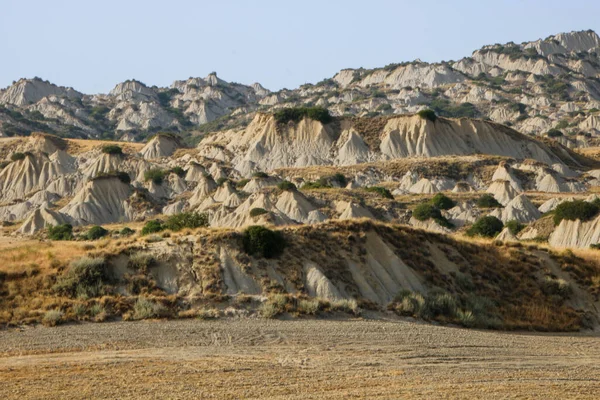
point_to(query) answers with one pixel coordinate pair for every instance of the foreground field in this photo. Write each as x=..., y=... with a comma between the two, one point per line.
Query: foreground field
x=301, y=359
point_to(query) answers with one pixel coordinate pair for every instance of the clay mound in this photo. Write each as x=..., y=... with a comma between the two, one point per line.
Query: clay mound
x=504, y=173
x=462, y=214
x=551, y=204
x=40, y=219
x=174, y=208
x=352, y=149
x=350, y=210
x=234, y=200
x=161, y=145
x=30, y=174
x=555, y=184
x=206, y=185
x=506, y=236
x=462, y=187
x=298, y=208
x=423, y=186
x=256, y=184
x=502, y=191
x=101, y=201
x=195, y=172
x=576, y=233
x=429, y=225
x=44, y=143
x=520, y=209
x=104, y=164
x=223, y=192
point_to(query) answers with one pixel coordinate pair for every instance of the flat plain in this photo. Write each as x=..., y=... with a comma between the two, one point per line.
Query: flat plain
x=297, y=359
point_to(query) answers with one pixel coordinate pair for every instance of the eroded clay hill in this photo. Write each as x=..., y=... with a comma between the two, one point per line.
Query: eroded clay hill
x=371, y=266
x=267, y=144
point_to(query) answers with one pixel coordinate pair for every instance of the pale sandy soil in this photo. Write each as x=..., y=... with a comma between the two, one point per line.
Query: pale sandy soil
x=308, y=359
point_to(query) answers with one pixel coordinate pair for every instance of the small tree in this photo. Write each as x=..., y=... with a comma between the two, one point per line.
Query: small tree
x=286, y=186
x=183, y=220
x=514, y=226
x=152, y=227
x=255, y=212
x=383, y=192
x=259, y=240
x=17, y=156
x=155, y=175
x=442, y=201
x=96, y=232
x=488, y=201
x=60, y=232
x=112, y=149
x=573, y=210
x=428, y=115
x=488, y=226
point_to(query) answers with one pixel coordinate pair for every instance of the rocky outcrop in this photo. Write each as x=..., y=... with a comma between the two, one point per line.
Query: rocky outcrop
x=160, y=145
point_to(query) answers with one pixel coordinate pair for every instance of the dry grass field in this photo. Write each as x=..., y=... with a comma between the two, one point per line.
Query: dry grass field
x=300, y=359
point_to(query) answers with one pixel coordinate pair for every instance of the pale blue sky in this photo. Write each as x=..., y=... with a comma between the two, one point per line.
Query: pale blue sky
x=93, y=45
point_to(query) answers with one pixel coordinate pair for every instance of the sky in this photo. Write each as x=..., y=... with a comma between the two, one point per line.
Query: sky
x=93, y=45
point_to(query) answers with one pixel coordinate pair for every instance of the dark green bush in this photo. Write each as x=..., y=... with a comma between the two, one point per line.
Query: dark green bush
x=178, y=171
x=554, y=133
x=255, y=212
x=241, y=183
x=183, y=220
x=152, y=227
x=155, y=175
x=383, y=192
x=258, y=240
x=126, y=231
x=112, y=149
x=442, y=201
x=17, y=156
x=573, y=210
x=286, y=185
x=426, y=211
x=96, y=232
x=260, y=175
x=221, y=181
x=296, y=114
x=427, y=115
x=514, y=226
x=340, y=179
x=488, y=226
x=85, y=277
x=488, y=201
x=60, y=232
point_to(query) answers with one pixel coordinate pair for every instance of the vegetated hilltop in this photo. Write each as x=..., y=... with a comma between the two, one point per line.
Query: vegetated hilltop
x=548, y=87
x=369, y=267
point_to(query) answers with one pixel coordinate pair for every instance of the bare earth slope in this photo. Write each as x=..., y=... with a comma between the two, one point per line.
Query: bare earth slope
x=309, y=359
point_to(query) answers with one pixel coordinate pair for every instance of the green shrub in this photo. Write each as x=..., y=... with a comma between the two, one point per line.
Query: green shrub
x=255, y=212
x=112, y=149
x=221, y=181
x=426, y=211
x=178, y=171
x=573, y=210
x=296, y=114
x=126, y=231
x=488, y=201
x=488, y=226
x=85, y=277
x=60, y=232
x=442, y=202
x=155, y=175
x=17, y=156
x=4, y=164
x=183, y=220
x=152, y=227
x=260, y=175
x=554, y=133
x=140, y=261
x=258, y=240
x=340, y=179
x=514, y=226
x=96, y=232
x=439, y=303
x=241, y=183
x=122, y=176
x=428, y=115
x=145, y=308
x=558, y=287
x=286, y=185
x=383, y=192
